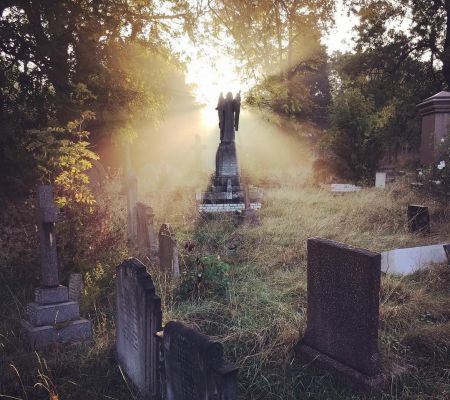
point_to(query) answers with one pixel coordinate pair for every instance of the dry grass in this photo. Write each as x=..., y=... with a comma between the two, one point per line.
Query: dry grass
x=264, y=311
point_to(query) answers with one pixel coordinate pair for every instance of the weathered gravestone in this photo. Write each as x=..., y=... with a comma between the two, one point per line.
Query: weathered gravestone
x=131, y=192
x=52, y=317
x=194, y=366
x=343, y=310
x=138, y=319
x=447, y=252
x=168, y=250
x=76, y=287
x=418, y=218
x=380, y=179
x=146, y=237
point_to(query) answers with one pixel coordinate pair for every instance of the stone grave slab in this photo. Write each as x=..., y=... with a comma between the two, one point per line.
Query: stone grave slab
x=76, y=287
x=343, y=312
x=194, y=366
x=146, y=237
x=409, y=260
x=138, y=319
x=344, y=188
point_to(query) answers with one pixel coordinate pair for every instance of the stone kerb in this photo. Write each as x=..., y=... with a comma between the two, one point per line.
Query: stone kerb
x=138, y=319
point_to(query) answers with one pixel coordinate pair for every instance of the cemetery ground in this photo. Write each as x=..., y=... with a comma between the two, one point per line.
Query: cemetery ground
x=252, y=295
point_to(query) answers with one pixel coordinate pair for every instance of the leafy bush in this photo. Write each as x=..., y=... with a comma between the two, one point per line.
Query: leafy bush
x=208, y=278
x=354, y=142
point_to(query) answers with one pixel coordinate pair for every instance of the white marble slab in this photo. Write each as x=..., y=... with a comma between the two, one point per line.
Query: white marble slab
x=408, y=260
x=380, y=179
x=344, y=188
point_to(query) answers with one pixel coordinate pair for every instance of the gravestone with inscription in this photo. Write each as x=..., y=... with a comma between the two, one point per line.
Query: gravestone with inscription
x=52, y=317
x=146, y=237
x=194, y=366
x=138, y=319
x=168, y=250
x=343, y=312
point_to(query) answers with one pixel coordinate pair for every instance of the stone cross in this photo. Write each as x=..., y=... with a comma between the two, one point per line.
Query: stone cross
x=46, y=217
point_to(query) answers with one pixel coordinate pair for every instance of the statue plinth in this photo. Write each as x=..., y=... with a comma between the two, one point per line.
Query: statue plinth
x=227, y=167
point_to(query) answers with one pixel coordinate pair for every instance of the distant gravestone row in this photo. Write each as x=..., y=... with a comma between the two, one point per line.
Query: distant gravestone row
x=175, y=362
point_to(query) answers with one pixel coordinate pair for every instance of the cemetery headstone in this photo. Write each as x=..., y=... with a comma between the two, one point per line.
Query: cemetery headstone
x=435, y=112
x=146, y=237
x=168, y=250
x=138, y=319
x=131, y=192
x=418, y=218
x=380, y=179
x=194, y=366
x=342, y=312
x=76, y=287
x=52, y=317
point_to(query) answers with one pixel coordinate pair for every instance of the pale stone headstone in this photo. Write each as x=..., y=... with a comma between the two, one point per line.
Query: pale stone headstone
x=76, y=287
x=409, y=260
x=146, y=236
x=138, y=319
x=343, y=312
x=52, y=317
x=435, y=112
x=194, y=366
x=168, y=250
x=380, y=179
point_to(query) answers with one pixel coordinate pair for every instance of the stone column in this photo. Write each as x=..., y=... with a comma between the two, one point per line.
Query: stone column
x=132, y=194
x=435, y=113
x=46, y=218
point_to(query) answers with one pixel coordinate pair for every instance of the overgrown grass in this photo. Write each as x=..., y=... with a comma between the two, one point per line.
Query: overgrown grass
x=263, y=312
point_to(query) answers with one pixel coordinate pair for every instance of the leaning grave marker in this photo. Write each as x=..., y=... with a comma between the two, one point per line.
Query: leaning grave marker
x=194, y=366
x=343, y=313
x=139, y=318
x=168, y=250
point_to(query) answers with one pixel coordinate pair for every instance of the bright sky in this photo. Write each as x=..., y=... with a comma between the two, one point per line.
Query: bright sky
x=212, y=70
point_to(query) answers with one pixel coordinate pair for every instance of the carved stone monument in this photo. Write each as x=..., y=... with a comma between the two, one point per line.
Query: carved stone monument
x=52, y=317
x=343, y=313
x=138, y=319
x=435, y=112
x=226, y=192
x=194, y=366
x=168, y=250
x=76, y=287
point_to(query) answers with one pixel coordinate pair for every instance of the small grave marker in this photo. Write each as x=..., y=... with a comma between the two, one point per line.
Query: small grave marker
x=344, y=188
x=380, y=179
x=146, y=237
x=194, y=366
x=168, y=250
x=418, y=218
